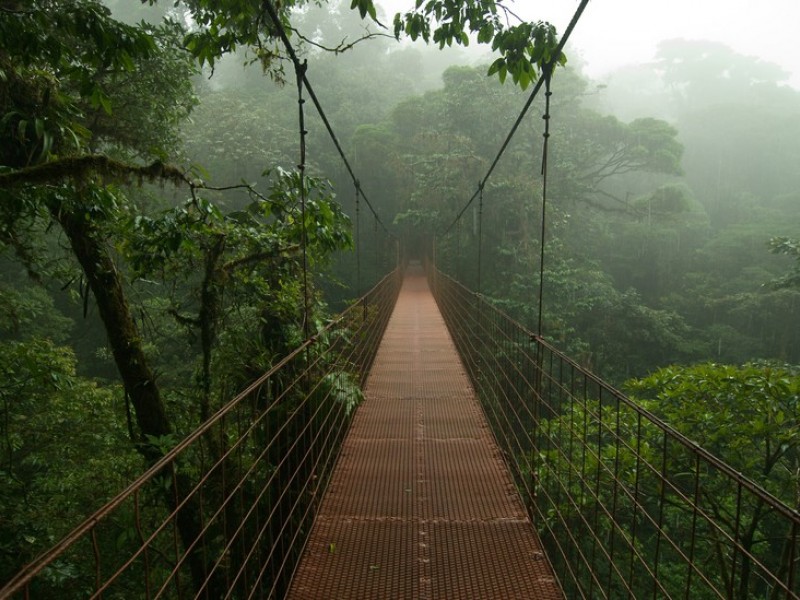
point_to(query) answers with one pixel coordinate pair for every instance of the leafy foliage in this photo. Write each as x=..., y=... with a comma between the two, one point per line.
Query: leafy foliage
x=56, y=59
x=643, y=268
x=64, y=447
x=683, y=507
x=789, y=247
x=749, y=415
x=523, y=48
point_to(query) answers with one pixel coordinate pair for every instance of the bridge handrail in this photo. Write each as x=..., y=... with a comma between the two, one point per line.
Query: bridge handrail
x=383, y=295
x=601, y=474
x=688, y=443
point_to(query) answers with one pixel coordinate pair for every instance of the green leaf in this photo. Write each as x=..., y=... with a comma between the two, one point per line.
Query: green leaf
x=126, y=61
x=365, y=7
x=486, y=33
x=503, y=73
x=47, y=145
x=99, y=99
x=496, y=66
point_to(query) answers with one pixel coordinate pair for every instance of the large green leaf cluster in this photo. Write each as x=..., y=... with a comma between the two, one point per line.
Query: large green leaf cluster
x=64, y=448
x=524, y=48
x=54, y=56
x=789, y=247
x=749, y=416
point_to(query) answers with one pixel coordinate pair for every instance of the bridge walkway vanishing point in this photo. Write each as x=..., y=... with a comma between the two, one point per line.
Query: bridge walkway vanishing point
x=421, y=504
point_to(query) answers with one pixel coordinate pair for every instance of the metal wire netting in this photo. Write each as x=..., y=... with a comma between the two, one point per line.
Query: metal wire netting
x=626, y=506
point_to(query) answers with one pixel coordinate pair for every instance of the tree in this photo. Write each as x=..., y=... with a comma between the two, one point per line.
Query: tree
x=523, y=47
x=55, y=88
x=789, y=247
x=749, y=416
x=76, y=82
x=702, y=74
x=446, y=139
x=67, y=66
x=64, y=446
x=88, y=105
x=251, y=263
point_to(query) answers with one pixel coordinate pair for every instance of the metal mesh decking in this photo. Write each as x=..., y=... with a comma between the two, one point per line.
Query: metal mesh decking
x=420, y=504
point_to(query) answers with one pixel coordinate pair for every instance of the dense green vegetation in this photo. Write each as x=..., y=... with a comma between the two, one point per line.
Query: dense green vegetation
x=136, y=295
x=701, y=531
x=153, y=264
x=652, y=255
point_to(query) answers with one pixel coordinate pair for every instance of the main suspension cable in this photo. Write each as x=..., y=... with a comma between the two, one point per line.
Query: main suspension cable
x=547, y=68
x=273, y=14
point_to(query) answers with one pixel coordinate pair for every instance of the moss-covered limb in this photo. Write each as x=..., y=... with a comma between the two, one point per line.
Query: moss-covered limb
x=251, y=259
x=84, y=167
x=123, y=335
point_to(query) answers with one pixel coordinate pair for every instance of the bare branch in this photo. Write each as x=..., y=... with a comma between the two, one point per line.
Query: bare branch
x=16, y=11
x=343, y=46
x=616, y=164
x=508, y=12
x=99, y=164
x=598, y=205
x=184, y=320
x=242, y=186
x=627, y=205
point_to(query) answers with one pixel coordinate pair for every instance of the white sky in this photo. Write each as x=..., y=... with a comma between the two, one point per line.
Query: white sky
x=613, y=33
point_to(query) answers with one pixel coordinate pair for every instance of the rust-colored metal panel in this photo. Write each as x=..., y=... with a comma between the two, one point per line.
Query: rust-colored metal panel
x=421, y=504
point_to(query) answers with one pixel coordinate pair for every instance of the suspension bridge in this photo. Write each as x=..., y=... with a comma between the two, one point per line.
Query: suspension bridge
x=425, y=445
x=479, y=462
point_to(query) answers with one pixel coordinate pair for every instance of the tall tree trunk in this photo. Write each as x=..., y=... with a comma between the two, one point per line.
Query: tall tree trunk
x=123, y=334
x=207, y=318
x=138, y=380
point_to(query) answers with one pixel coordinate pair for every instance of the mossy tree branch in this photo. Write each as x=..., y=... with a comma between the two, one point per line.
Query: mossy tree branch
x=83, y=167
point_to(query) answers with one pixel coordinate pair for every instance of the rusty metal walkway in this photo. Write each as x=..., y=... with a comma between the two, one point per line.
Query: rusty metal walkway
x=421, y=504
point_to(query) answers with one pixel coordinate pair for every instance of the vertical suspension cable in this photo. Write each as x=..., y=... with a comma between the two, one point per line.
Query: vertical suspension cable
x=547, y=74
x=457, y=261
x=358, y=239
x=270, y=9
x=480, y=233
x=300, y=71
x=358, y=250
x=375, y=236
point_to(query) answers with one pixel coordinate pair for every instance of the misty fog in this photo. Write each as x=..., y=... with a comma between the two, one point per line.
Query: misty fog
x=668, y=181
x=162, y=187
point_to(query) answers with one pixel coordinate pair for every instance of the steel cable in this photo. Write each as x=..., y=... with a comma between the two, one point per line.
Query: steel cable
x=270, y=10
x=548, y=67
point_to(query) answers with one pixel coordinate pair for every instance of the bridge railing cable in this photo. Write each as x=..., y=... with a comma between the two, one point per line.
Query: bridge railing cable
x=626, y=506
x=226, y=512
